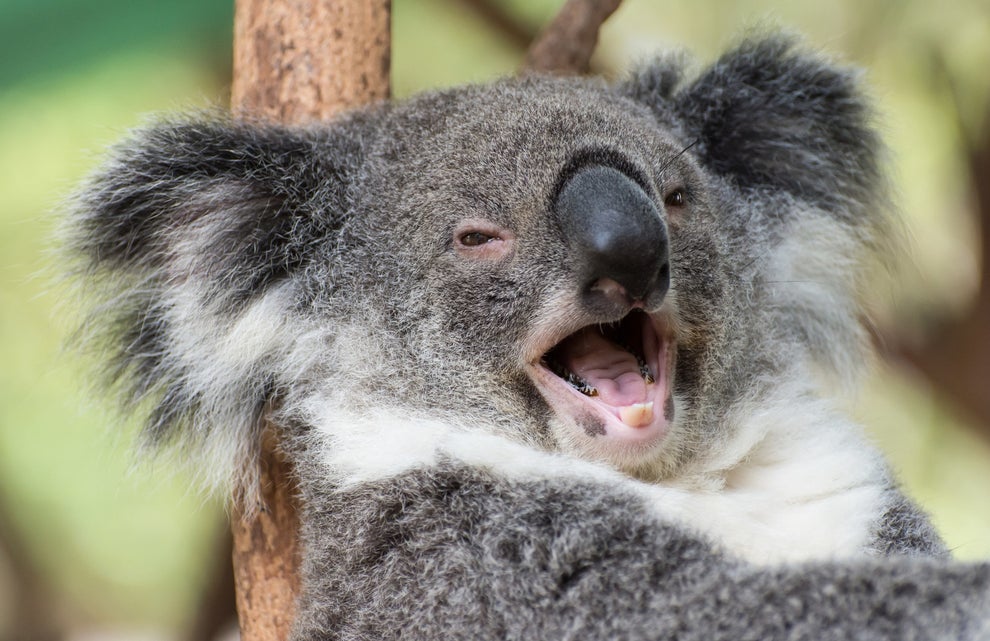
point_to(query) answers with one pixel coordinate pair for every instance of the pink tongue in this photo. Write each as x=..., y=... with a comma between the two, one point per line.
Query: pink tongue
x=605, y=366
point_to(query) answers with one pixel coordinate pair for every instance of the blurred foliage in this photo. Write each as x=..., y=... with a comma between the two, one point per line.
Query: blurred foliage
x=120, y=545
x=42, y=37
x=125, y=548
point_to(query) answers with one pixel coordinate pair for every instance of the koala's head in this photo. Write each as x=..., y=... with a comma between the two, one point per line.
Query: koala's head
x=606, y=270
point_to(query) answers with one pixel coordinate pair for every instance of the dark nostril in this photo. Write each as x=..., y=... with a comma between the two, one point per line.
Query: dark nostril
x=616, y=236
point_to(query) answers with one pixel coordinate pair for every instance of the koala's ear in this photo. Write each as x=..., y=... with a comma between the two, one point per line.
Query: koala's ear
x=190, y=242
x=230, y=205
x=771, y=115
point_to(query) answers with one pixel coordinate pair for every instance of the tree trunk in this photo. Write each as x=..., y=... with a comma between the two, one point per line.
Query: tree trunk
x=302, y=60
x=295, y=61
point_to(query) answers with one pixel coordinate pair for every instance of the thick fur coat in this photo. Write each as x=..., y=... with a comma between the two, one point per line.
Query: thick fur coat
x=555, y=359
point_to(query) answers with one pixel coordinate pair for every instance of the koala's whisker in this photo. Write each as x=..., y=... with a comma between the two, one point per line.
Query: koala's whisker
x=761, y=255
x=664, y=166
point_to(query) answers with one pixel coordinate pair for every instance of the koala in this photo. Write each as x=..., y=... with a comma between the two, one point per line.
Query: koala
x=552, y=358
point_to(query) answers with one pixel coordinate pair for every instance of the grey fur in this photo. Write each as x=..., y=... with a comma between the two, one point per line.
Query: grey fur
x=516, y=563
x=240, y=262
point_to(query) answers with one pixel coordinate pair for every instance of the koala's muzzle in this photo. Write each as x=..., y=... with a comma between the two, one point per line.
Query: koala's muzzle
x=617, y=238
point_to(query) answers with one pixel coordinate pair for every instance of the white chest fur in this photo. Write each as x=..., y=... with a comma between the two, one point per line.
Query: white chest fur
x=796, y=483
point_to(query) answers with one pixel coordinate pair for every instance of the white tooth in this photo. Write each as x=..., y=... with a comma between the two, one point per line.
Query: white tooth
x=637, y=414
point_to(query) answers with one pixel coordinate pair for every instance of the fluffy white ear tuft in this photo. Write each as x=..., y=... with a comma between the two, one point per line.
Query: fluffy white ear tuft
x=191, y=240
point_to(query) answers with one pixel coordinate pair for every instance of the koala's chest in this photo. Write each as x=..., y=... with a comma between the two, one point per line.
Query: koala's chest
x=787, y=503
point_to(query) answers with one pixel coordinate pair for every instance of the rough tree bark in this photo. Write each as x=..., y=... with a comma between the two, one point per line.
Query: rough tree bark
x=303, y=60
x=295, y=61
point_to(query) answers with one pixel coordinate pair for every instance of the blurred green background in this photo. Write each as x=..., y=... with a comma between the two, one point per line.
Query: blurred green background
x=116, y=551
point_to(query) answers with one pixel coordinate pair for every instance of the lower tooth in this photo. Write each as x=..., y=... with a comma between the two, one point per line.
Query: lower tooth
x=637, y=414
x=578, y=383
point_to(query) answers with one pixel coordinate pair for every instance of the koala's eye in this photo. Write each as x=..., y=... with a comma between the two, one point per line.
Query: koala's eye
x=481, y=239
x=475, y=238
x=675, y=199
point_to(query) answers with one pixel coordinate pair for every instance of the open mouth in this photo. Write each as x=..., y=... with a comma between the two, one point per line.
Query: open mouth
x=613, y=380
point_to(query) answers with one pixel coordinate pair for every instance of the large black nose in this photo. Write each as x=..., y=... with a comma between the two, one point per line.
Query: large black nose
x=617, y=238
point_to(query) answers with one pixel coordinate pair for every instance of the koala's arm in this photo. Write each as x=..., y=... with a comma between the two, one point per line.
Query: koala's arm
x=905, y=529
x=456, y=553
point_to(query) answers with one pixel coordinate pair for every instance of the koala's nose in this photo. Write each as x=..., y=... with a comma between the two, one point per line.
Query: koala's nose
x=617, y=238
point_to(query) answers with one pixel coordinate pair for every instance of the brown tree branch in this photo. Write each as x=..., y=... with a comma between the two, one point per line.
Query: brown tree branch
x=34, y=604
x=954, y=353
x=295, y=61
x=566, y=45
x=494, y=14
x=217, y=608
